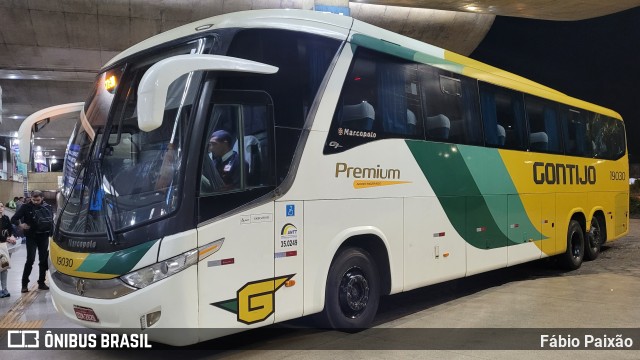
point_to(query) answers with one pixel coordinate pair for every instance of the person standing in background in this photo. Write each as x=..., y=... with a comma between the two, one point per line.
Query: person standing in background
x=19, y=202
x=35, y=218
x=6, y=236
x=17, y=232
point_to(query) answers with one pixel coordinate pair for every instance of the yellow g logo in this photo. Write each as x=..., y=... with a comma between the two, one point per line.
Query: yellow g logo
x=255, y=301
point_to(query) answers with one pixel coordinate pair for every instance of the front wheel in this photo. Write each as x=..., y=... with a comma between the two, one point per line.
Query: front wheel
x=572, y=258
x=353, y=291
x=594, y=240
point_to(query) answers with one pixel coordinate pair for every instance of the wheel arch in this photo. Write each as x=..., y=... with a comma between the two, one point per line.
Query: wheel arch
x=576, y=214
x=369, y=238
x=599, y=213
x=375, y=246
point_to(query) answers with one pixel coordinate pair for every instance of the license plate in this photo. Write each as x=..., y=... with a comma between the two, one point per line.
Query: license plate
x=85, y=313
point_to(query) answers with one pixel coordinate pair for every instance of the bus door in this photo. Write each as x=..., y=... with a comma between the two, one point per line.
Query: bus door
x=236, y=284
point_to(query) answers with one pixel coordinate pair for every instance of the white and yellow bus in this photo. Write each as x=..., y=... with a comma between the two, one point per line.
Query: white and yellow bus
x=359, y=163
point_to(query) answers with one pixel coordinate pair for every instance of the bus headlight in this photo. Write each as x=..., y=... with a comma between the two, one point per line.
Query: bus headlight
x=146, y=276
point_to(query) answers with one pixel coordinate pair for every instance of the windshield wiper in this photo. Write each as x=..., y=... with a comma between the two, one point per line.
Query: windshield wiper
x=83, y=164
x=103, y=209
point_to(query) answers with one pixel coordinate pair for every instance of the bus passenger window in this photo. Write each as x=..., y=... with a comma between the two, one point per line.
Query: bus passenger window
x=607, y=137
x=379, y=100
x=617, y=138
x=503, y=109
x=450, y=103
x=575, y=130
x=437, y=127
x=359, y=116
x=544, y=126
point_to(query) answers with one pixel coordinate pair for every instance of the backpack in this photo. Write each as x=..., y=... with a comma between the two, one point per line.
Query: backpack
x=42, y=219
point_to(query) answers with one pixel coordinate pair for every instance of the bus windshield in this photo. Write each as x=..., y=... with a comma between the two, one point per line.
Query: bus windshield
x=115, y=175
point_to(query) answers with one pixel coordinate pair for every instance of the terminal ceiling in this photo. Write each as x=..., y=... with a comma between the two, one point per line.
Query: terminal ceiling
x=51, y=50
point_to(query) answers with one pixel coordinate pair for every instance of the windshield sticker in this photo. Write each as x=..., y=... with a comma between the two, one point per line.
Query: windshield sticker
x=288, y=236
x=96, y=201
x=258, y=218
x=255, y=218
x=70, y=164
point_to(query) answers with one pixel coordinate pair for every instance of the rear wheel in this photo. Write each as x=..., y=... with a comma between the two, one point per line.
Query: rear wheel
x=594, y=240
x=353, y=291
x=572, y=258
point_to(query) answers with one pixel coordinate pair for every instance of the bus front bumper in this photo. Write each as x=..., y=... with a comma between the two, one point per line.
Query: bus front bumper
x=172, y=303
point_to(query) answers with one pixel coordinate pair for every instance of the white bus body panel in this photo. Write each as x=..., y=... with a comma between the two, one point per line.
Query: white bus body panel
x=328, y=223
x=248, y=241
x=177, y=244
x=316, y=176
x=434, y=251
x=531, y=249
x=334, y=26
x=355, y=211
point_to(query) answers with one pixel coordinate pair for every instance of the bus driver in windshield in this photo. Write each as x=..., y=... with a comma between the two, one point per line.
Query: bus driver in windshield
x=225, y=160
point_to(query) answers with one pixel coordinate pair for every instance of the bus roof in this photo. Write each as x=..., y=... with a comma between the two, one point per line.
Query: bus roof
x=411, y=49
x=361, y=33
x=326, y=24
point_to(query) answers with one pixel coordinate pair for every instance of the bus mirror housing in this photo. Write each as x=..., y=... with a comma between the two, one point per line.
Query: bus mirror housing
x=25, y=130
x=154, y=85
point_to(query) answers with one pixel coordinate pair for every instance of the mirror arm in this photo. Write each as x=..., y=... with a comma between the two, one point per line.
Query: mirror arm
x=152, y=91
x=25, y=131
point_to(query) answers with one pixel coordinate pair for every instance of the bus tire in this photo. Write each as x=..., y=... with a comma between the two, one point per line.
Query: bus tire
x=572, y=258
x=353, y=291
x=593, y=240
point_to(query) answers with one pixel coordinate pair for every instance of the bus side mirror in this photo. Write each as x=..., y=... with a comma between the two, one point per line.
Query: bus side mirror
x=24, y=133
x=152, y=91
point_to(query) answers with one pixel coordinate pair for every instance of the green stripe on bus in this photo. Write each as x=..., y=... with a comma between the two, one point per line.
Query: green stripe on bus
x=492, y=177
x=438, y=62
x=403, y=52
x=473, y=181
x=123, y=261
x=382, y=46
x=94, y=262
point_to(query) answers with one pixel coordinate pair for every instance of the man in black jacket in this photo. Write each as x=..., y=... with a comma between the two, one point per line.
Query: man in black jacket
x=28, y=218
